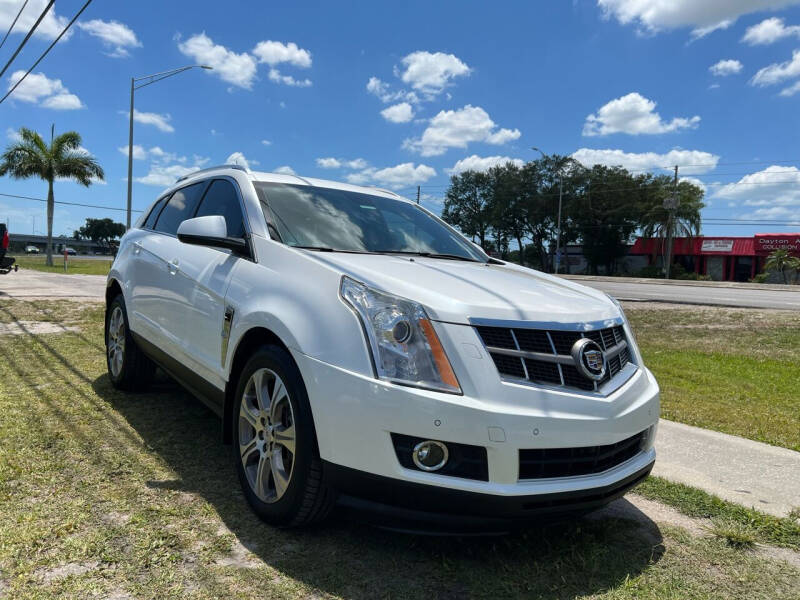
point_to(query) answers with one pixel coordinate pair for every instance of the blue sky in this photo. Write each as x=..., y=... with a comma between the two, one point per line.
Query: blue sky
x=404, y=95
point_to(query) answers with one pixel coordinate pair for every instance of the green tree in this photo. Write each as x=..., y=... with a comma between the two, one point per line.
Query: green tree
x=782, y=261
x=100, y=231
x=63, y=158
x=603, y=213
x=468, y=205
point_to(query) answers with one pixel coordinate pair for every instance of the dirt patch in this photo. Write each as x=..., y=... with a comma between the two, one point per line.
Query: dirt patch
x=63, y=571
x=34, y=328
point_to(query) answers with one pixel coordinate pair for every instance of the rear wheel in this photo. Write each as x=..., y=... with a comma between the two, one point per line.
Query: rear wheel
x=275, y=447
x=128, y=368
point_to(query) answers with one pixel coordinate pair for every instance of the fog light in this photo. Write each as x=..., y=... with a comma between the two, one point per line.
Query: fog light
x=430, y=455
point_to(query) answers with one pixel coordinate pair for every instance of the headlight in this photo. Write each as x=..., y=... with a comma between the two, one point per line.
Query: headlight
x=404, y=345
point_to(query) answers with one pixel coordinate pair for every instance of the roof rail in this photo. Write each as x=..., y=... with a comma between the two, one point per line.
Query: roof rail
x=237, y=167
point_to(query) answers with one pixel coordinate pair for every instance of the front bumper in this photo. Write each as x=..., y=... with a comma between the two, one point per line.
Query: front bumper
x=432, y=509
x=355, y=415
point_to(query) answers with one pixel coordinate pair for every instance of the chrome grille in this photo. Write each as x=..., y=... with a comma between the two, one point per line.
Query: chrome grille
x=543, y=355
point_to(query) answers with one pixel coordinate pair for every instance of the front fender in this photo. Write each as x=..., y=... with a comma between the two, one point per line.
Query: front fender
x=297, y=299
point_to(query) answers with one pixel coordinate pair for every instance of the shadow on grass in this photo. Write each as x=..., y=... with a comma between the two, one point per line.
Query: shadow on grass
x=353, y=560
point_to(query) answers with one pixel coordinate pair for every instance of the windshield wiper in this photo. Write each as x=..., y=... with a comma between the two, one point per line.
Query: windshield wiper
x=428, y=255
x=328, y=249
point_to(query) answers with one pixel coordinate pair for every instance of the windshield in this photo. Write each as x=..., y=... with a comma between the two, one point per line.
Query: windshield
x=345, y=221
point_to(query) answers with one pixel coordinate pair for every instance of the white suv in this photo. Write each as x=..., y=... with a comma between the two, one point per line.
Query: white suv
x=358, y=348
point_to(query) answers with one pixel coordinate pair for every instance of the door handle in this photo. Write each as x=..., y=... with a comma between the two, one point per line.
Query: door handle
x=137, y=247
x=173, y=265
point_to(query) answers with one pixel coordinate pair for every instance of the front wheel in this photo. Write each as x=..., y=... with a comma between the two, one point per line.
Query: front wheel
x=275, y=449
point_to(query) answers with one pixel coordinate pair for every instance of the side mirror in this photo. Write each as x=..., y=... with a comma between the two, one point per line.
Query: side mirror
x=211, y=231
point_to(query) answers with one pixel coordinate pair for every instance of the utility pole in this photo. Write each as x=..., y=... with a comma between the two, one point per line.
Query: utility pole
x=417, y=194
x=558, y=227
x=671, y=204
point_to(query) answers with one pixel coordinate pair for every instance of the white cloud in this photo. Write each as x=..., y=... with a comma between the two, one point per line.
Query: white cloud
x=13, y=135
x=690, y=162
x=456, y=129
x=430, y=73
x=337, y=163
x=238, y=158
x=236, y=69
x=769, y=31
x=726, y=67
x=398, y=113
x=157, y=120
x=275, y=53
x=139, y=152
x=49, y=28
x=633, y=114
x=266, y=142
x=285, y=170
x=791, y=90
x=39, y=89
x=482, y=163
x=703, y=17
x=775, y=186
x=695, y=181
x=381, y=90
x=166, y=167
x=329, y=163
x=777, y=72
x=396, y=177
x=63, y=102
x=114, y=34
x=276, y=76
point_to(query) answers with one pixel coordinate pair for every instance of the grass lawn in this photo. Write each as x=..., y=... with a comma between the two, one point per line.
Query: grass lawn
x=105, y=494
x=731, y=370
x=75, y=265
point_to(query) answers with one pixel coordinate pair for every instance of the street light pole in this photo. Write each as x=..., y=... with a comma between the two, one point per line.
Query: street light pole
x=560, y=194
x=155, y=77
x=130, y=160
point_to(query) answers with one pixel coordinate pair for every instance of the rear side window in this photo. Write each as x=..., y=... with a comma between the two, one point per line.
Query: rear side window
x=222, y=199
x=181, y=206
x=151, y=218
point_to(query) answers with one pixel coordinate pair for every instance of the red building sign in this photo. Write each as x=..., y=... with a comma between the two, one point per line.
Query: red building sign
x=766, y=243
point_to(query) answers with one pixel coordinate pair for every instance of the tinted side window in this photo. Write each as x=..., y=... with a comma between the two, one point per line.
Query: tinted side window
x=151, y=218
x=180, y=207
x=221, y=199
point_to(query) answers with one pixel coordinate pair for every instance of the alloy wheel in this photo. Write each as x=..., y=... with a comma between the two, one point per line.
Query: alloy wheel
x=267, y=435
x=116, y=341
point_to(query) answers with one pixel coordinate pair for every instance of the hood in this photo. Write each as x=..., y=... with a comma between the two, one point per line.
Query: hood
x=457, y=291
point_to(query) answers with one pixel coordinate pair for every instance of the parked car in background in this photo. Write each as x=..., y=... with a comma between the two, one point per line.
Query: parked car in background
x=6, y=262
x=31, y=250
x=70, y=251
x=358, y=348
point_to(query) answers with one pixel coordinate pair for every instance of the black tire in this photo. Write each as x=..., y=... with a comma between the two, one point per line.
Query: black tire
x=136, y=370
x=307, y=499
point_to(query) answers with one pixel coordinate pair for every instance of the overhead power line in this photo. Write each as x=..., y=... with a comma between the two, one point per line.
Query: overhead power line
x=67, y=203
x=14, y=22
x=50, y=47
x=27, y=37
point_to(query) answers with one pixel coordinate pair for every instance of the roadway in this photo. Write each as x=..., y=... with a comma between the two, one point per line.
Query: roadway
x=700, y=293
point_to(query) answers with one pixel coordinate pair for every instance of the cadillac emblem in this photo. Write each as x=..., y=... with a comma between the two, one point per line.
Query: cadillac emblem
x=589, y=359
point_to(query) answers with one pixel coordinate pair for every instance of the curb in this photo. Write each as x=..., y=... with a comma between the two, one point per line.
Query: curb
x=712, y=284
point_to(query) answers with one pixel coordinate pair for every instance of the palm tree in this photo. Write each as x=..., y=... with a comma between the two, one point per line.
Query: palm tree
x=781, y=260
x=64, y=158
x=658, y=222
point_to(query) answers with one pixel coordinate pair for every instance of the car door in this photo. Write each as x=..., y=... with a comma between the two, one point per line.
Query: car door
x=206, y=273
x=159, y=302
